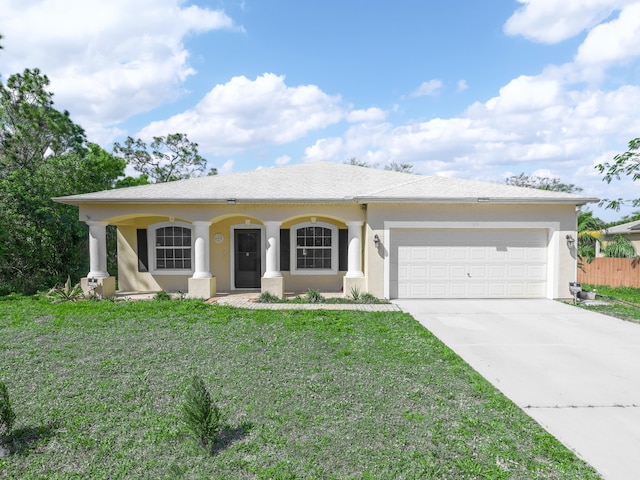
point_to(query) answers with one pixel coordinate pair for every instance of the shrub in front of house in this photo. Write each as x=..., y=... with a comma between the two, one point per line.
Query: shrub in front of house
x=201, y=415
x=7, y=415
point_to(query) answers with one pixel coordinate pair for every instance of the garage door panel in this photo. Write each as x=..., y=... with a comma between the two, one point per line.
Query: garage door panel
x=457, y=272
x=419, y=272
x=477, y=290
x=496, y=255
x=419, y=290
x=516, y=289
x=477, y=263
x=536, y=290
x=456, y=289
x=537, y=255
x=438, y=253
x=404, y=253
x=458, y=254
x=517, y=272
x=497, y=271
x=476, y=271
x=419, y=253
x=437, y=272
x=537, y=272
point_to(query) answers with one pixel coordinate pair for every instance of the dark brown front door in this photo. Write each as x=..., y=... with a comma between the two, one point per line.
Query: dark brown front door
x=247, y=258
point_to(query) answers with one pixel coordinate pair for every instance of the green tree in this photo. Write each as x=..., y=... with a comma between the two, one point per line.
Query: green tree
x=392, y=166
x=43, y=154
x=627, y=164
x=132, y=181
x=399, y=167
x=589, y=232
x=358, y=163
x=632, y=217
x=165, y=159
x=542, y=183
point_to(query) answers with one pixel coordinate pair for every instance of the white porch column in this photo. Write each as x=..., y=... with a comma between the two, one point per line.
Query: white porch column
x=201, y=250
x=98, y=249
x=273, y=250
x=355, y=250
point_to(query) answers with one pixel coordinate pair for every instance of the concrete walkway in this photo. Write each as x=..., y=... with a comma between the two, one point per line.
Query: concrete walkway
x=577, y=373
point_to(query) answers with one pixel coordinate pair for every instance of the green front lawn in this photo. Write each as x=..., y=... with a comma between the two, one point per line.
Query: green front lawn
x=622, y=302
x=97, y=388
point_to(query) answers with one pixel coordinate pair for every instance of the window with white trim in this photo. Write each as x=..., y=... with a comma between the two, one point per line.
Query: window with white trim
x=172, y=250
x=315, y=249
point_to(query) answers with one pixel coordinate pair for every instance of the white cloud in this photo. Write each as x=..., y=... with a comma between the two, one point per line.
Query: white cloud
x=525, y=94
x=283, y=160
x=369, y=115
x=534, y=125
x=227, y=167
x=325, y=149
x=552, y=21
x=614, y=41
x=462, y=85
x=429, y=88
x=107, y=61
x=247, y=113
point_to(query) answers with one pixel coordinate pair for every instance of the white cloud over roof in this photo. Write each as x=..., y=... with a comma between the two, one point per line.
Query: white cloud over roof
x=113, y=61
x=245, y=113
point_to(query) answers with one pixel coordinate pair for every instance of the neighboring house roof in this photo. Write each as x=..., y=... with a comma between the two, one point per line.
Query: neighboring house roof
x=625, y=228
x=324, y=182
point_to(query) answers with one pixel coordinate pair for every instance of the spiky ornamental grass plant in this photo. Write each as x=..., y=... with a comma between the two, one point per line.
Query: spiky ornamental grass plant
x=619, y=247
x=313, y=296
x=66, y=293
x=201, y=415
x=7, y=415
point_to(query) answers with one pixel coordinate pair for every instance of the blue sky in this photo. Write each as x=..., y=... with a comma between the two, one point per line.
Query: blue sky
x=458, y=88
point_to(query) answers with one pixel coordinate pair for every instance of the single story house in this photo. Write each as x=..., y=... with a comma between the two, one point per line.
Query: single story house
x=630, y=231
x=335, y=227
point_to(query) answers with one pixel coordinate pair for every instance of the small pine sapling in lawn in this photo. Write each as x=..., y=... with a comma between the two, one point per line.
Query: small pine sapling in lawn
x=7, y=415
x=201, y=415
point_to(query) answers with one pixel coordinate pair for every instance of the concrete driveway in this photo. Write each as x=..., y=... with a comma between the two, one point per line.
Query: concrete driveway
x=575, y=372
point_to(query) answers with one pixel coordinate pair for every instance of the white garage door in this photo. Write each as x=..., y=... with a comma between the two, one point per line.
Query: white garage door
x=479, y=263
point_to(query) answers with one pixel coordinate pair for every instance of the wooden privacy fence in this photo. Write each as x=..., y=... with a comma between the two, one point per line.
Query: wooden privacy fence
x=613, y=272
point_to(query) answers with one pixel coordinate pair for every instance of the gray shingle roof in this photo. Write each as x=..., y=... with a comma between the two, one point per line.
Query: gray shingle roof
x=324, y=182
x=631, y=227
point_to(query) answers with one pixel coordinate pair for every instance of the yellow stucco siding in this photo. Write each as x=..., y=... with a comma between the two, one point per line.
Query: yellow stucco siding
x=129, y=278
x=225, y=219
x=292, y=213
